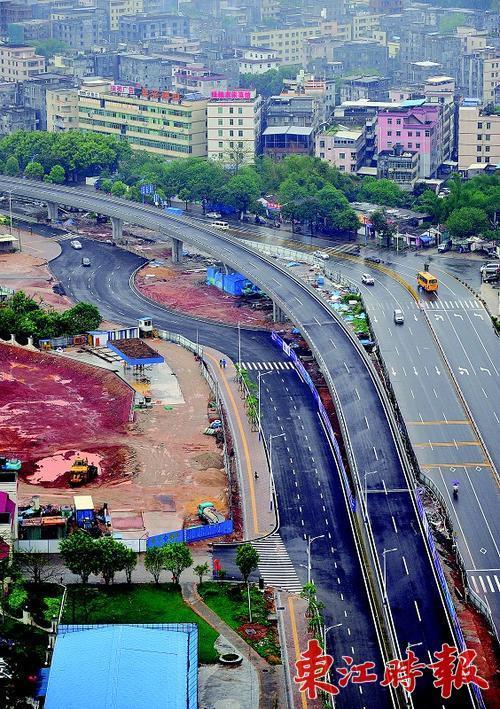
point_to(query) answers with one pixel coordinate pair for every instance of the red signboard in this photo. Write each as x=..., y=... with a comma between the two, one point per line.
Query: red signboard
x=233, y=94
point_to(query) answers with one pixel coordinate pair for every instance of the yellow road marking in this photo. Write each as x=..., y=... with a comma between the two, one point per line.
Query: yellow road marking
x=445, y=444
x=433, y=423
x=296, y=641
x=245, y=447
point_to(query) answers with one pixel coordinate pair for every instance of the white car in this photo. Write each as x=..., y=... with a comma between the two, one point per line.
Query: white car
x=321, y=255
x=399, y=317
x=213, y=215
x=76, y=244
x=367, y=279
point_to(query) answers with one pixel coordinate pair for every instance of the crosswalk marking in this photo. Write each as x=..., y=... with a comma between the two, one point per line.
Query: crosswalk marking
x=486, y=582
x=275, y=565
x=256, y=366
x=449, y=304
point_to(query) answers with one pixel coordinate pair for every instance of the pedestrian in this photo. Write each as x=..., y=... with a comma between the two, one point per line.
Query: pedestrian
x=224, y=363
x=220, y=363
x=256, y=474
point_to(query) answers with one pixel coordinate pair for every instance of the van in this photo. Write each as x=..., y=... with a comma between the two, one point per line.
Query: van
x=427, y=281
x=220, y=225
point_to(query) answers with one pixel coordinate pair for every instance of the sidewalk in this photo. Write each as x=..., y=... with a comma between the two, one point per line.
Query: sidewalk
x=258, y=519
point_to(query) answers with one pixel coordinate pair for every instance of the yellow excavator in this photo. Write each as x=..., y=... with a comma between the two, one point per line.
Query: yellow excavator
x=82, y=472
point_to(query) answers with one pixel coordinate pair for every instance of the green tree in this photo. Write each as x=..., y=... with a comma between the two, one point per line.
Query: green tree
x=130, y=562
x=48, y=47
x=153, y=562
x=382, y=226
x=176, y=558
x=247, y=560
x=37, y=567
x=81, y=555
x=119, y=189
x=81, y=318
x=57, y=175
x=243, y=190
x=467, y=221
x=385, y=192
x=113, y=557
x=34, y=170
x=106, y=185
x=12, y=168
x=201, y=570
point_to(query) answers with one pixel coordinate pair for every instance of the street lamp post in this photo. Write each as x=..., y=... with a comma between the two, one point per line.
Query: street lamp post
x=259, y=377
x=310, y=540
x=326, y=629
x=410, y=645
x=271, y=477
x=384, y=553
x=239, y=347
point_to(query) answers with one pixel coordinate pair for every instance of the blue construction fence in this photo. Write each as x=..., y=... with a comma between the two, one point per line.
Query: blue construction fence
x=322, y=411
x=192, y=534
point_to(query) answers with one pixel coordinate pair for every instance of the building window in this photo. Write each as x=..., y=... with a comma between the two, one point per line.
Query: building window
x=417, y=145
x=479, y=125
x=487, y=148
x=219, y=109
x=398, y=133
x=342, y=156
x=231, y=110
x=389, y=132
x=417, y=134
x=478, y=148
x=240, y=110
x=321, y=143
x=410, y=134
x=479, y=136
x=221, y=144
x=240, y=121
x=240, y=134
x=219, y=133
x=389, y=121
x=231, y=121
x=220, y=122
x=398, y=121
x=427, y=134
x=410, y=145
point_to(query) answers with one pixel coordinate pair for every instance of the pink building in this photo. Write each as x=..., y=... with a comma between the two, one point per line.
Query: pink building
x=415, y=128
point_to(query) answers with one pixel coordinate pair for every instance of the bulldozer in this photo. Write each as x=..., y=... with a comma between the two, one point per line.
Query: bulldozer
x=82, y=472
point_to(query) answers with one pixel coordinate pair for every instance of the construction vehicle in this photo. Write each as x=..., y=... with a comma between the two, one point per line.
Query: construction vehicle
x=82, y=472
x=207, y=513
x=9, y=464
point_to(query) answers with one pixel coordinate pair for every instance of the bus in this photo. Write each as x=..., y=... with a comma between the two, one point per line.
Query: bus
x=427, y=281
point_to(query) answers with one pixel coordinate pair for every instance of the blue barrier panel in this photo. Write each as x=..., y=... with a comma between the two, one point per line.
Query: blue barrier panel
x=194, y=534
x=322, y=411
x=158, y=540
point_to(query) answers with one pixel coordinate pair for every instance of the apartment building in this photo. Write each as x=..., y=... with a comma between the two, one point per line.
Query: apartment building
x=399, y=165
x=163, y=123
x=480, y=74
x=196, y=78
x=145, y=27
x=364, y=25
x=81, y=28
x=288, y=43
x=234, y=125
x=18, y=62
x=258, y=60
x=120, y=8
x=440, y=90
x=62, y=109
x=414, y=125
x=345, y=149
x=478, y=137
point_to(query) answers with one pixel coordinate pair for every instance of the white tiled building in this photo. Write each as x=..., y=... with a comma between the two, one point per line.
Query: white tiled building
x=258, y=60
x=234, y=125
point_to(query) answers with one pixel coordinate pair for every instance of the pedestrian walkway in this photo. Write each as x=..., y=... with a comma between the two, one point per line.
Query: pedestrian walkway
x=271, y=689
x=258, y=517
x=275, y=565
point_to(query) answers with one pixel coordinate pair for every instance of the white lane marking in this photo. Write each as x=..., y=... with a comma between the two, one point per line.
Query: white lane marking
x=333, y=344
x=298, y=301
x=418, y=612
x=405, y=565
x=367, y=424
x=375, y=452
x=394, y=524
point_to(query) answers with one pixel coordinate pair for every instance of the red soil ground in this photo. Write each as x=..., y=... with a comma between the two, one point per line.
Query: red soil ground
x=186, y=292
x=49, y=403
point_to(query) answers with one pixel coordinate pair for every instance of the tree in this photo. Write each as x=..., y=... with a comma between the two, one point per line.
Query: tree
x=176, y=558
x=81, y=555
x=48, y=47
x=467, y=221
x=382, y=191
x=119, y=189
x=247, y=560
x=12, y=168
x=34, y=170
x=38, y=567
x=82, y=317
x=130, y=558
x=243, y=190
x=153, y=562
x=382, y=226
x=57, y=175
x=113, y=557
x=201, y=570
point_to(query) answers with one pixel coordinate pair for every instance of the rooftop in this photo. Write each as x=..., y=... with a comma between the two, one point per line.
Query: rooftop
x=120, y=666
x=135, y=352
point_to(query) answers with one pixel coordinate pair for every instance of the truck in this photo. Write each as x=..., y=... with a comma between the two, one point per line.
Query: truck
x=82, y=472
x=207, y=513
x=84, y=511
x=9, y=464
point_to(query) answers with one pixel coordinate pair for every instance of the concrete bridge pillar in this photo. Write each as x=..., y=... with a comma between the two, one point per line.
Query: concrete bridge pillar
x=177, y=245
x=117, y=227
x=278, y=314
x=53, y=211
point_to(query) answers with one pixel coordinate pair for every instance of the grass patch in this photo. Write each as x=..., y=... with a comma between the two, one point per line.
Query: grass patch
x=137, y=603
x=230, y=602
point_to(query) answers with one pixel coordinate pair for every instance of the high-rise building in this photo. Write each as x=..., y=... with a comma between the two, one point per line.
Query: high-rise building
x=478, y=137
x=62, y=109
x=480, y=74
x=234, y=126
x=160, y=122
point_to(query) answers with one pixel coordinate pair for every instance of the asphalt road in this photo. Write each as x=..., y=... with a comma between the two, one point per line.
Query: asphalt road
x=443, y=436
x=416, y=606
x=371, y=442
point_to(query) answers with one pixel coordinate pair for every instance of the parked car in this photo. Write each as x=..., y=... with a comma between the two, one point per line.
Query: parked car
x=399, y=317
x=85, y=261
x=260, y=220
x=367, y=279
x=76, y=244
x=490, y=271
x=213, y=215
x=445, y=246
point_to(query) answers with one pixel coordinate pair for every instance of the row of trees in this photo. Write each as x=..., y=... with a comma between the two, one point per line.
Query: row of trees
x=76, y=153
x=24, y=317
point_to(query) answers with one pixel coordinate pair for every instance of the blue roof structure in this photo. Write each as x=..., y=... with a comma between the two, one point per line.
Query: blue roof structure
x=135, y=352
x=124, y=667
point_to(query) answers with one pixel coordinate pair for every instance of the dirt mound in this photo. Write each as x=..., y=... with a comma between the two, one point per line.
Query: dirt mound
x=204, y=461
